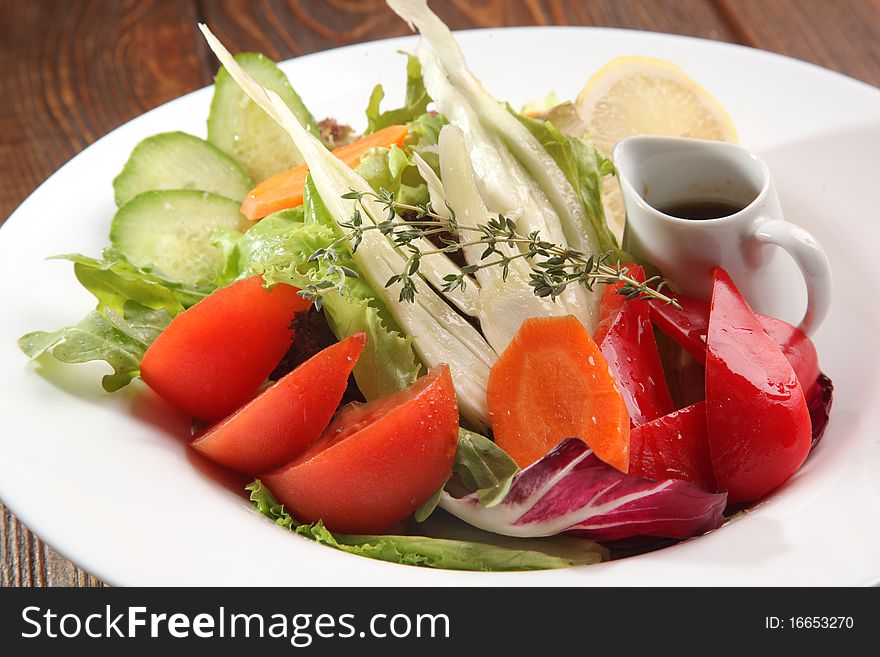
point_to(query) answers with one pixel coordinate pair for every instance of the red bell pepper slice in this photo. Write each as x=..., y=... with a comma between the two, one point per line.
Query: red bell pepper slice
x=758, y=421
x=675, y=446
x=629, y=347
x=688, y=326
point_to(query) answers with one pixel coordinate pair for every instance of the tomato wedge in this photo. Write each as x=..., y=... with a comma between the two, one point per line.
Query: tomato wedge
x=631, y=351
x=285, y=419
x=214, y=356
x=363, y=477
x=552, y=383
x=675, y=446
x=758, y=422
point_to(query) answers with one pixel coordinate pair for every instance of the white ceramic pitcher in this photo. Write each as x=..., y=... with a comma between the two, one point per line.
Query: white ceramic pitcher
x=660, y=172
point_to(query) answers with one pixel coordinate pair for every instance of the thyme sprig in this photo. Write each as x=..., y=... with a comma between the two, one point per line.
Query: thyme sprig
x=554, y=267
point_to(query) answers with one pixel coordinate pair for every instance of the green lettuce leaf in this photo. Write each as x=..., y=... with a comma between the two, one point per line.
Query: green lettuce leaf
x=484, y=469
x=393, y=170
x=279, y=248
x=423, y=137
x=584, y=166
x=133, y=307
x=113, y=281
x=415, y=102
x=432, y=552
x=120, y=339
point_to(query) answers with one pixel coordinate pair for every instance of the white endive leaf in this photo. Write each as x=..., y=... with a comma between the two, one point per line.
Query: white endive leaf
x=439, y=334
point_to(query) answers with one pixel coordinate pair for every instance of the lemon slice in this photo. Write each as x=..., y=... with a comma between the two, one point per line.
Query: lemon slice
x=645, y=96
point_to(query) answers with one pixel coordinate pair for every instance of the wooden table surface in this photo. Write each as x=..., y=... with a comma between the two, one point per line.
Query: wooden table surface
x=72, y=71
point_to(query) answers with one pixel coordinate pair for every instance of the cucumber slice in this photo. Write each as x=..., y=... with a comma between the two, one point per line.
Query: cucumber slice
x=169, y=232
x=238, y=127
x=176, y=160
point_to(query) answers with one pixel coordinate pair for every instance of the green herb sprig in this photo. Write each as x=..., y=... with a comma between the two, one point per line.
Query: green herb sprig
x=554, y=267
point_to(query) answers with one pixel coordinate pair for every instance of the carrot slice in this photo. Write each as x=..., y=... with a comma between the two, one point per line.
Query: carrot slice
x=285, y=190
x=552, y=383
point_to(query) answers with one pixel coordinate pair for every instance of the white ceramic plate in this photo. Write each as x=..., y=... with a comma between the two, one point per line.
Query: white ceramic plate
x=107, y=481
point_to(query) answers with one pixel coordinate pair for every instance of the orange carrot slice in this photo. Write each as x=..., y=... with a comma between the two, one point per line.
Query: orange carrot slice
x=552, y=383
x=285, y=190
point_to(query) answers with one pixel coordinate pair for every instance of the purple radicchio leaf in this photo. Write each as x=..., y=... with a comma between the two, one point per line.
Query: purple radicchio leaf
x=572, y=490
x=819, y=399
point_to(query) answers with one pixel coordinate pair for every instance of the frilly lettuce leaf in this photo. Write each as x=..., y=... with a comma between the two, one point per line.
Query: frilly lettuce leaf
x=392, y=169
x=415, y=103
x=113, y=281
x=119, y=339
x=279, y=248
x=432, y=552
x=133, y=308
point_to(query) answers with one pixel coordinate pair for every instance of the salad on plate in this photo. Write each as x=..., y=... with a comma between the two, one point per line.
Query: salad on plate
x=425, y=343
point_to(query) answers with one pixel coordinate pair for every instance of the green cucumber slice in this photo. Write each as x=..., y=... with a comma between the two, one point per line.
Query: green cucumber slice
x=238, y=127
x=169, y=233
x=176, y=160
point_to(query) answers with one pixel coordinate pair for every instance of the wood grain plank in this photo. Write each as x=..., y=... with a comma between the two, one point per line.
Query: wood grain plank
x=843, y=35
x=72, y=71
x=288, y=28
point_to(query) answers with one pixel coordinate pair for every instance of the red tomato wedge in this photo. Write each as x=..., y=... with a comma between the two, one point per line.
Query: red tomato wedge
x=675, y=446
x=552, y=383
x=366, y=476
x=214, y=356
x=285, y=419
x=631, y=351
x=758, y=422
x=688, y=325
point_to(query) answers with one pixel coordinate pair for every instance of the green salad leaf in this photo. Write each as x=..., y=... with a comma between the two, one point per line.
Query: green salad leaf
x=279, y=248
x=450, y=553
x=119, y=339
x=415, y=102
x=424, y=136
x=483, y=467
x=584, y=166
x=114, y=280
x=393, y=170
x=133, y=308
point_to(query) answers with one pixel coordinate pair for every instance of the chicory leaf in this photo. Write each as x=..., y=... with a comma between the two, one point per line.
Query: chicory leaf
x=819, y=399
x=571, y=490
x=425, y=550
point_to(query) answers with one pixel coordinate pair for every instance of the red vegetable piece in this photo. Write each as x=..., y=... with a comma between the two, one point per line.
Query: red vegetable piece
x=366, y=477
x=214, y=356
x=675, y=446
x=285, y=419
x=631, y=351
x=688, y=325
x=758, y=422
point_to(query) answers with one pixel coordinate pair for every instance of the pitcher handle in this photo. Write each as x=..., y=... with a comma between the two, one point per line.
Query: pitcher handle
x=810, y=257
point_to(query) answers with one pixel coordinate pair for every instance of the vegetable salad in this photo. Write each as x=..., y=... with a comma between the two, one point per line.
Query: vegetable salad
x=423, y=344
